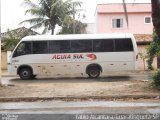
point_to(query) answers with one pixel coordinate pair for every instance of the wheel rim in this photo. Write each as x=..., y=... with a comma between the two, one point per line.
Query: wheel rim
x=94, y=73
x=25, y=73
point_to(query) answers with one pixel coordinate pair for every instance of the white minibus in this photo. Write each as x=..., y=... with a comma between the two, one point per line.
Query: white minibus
x=78, y=55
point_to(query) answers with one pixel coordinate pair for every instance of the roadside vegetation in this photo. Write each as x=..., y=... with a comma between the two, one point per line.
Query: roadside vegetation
x=11, y=40
x=69, y=23
x=156, y=80
x=49, y=13
x=154, y=48
x=155, y=45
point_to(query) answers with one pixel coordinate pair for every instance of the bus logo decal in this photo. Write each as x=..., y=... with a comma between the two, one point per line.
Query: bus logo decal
x=63, y=56
x=68, y=56
x=78, y=56
x=92, y=56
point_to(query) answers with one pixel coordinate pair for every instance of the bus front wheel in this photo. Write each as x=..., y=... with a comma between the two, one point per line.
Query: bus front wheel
x=25, y=73
x=93, y=72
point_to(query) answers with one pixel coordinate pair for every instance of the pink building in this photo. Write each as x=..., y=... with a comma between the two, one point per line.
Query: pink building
x=110, y=18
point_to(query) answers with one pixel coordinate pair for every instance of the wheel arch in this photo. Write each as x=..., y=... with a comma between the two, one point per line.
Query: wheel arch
x=94, y=65
x=24, y=66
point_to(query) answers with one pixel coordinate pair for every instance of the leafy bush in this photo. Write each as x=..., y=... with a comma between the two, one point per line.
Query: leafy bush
x=156, y=79
x=153, y=50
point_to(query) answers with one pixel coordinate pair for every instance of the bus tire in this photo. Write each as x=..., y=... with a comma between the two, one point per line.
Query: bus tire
x=25, y=73
x=93, y=72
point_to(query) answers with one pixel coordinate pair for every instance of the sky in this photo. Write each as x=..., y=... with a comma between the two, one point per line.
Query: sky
x=13, y=11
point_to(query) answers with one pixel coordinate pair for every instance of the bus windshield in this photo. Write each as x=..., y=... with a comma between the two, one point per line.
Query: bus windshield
x=23, y=48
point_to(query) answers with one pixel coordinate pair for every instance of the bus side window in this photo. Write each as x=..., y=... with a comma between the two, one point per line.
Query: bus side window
x=79, y=46
x=123, y=45
x=24, y=48
x=59, y=46
x=40, y=47
x=106, y=45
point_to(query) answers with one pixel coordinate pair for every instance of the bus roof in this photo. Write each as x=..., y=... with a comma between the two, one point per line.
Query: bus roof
x=77, y=36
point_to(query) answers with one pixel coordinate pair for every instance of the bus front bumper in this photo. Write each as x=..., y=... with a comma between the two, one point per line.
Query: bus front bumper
x=12, y=70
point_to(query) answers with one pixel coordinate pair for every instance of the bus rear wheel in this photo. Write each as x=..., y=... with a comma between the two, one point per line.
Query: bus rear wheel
x=25, y=73
x=93, y=72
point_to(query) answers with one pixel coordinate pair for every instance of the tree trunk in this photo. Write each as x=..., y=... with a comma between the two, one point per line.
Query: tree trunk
x=52, y=30
x=0, y=65
x=156, y=16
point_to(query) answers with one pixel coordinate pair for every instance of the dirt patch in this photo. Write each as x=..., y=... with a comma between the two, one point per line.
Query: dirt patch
x=79, y=89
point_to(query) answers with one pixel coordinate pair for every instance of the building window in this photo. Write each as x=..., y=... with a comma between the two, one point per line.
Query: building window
x=147, y=20
x=117, y=23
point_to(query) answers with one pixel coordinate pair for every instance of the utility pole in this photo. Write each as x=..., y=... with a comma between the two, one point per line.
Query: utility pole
x=125, y=10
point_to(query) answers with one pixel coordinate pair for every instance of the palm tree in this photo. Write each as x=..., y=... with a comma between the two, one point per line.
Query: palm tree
x=10, y=41
x=67, y=27
x=48, y=13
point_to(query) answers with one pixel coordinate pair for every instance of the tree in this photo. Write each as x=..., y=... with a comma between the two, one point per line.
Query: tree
x=48, y=13
x=154, y=46
x=67, y=26
x=10, y=42
x=154, y=49
x=156, y=16
x=143, y=56
x=13, y=37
